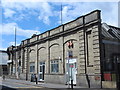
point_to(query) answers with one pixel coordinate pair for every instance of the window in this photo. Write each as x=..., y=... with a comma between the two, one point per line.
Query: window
x=54, y=66
x=32, y=67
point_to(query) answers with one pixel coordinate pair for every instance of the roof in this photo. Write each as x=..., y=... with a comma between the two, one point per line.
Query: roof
x=3, y=51
x=110, y=31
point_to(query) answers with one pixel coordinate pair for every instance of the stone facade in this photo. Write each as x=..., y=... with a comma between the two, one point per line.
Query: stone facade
x=47, y=54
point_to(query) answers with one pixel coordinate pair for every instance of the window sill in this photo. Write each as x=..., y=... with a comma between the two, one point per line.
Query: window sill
x=54, y=74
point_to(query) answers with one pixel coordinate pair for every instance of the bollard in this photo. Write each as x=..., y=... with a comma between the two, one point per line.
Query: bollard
x=72, y=84
x=88, y=80
x=36, y=80
x=3, y=77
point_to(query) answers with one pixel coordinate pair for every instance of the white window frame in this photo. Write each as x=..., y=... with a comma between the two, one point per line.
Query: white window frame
x=54, y=65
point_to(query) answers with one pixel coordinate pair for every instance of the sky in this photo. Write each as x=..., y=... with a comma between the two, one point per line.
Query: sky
x=30, y=17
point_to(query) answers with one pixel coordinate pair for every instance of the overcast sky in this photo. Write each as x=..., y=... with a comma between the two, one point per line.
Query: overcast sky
x=33, y=16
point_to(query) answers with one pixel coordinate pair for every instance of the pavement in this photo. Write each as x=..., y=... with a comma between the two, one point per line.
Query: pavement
x=50, y=85
x=40, y=84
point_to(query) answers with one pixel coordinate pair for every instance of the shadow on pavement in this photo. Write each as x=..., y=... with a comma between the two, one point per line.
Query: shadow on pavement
x=7, y=88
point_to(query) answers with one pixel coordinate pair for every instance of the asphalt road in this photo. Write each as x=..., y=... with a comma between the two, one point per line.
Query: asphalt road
x=6, y=85
x=18, y=85
x=10, y=84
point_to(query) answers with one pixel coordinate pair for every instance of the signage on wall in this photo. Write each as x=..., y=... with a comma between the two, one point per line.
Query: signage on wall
x=71, y=60
x=70, y=44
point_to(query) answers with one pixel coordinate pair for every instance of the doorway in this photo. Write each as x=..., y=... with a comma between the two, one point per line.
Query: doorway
x=71, y=71
x=41, y=71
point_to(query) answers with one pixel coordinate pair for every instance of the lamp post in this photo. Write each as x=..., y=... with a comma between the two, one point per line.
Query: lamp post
x=68, y=71
x=70, y=55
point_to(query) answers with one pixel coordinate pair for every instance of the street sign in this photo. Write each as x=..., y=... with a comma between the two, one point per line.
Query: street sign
x=70, y=44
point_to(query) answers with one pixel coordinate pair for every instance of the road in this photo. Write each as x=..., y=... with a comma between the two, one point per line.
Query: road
x=13, y=84
x=16, y=85
x=20, y=85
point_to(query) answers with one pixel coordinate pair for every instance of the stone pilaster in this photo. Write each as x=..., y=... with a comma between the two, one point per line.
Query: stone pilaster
x=81, y=53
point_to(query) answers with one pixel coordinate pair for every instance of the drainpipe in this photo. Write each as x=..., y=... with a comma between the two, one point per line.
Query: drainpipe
x=63, y=52
x=27, y=64
x=100, y=47
x=86, y=75
x=84, y=30
x=37, y=54
x=12, y=64
x=37, y=65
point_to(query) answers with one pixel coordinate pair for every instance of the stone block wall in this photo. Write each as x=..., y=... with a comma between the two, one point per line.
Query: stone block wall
x=53, y=45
